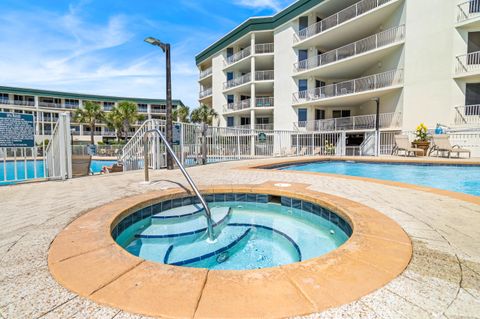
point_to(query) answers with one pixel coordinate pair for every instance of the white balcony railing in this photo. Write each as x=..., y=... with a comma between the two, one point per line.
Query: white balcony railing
x=468, y=63
x=237, y=81
x=340, y=17
x=158, y=111
x=239, y=56
x=205, y=93
x=51, y=105
x=16, y=102
x=468, y=10
x=352, y=123
x=264, y=48
x=237, y=106
x=371, y=43
x=264, y=75
x=368, y=83
x=205, y=73
x=264, y=102
x=467, y=115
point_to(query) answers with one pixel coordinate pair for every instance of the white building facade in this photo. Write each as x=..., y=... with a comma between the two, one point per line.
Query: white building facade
x=321, y=65
x=47, y=105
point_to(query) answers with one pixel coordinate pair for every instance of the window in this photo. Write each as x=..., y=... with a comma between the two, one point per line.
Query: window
x=319, y=115
x=302, y=115
x=108, y=106
x=230, y=121
x=472, y=99
x=302, y=85
x=230, y=99
x=229, y=76
x=229, y=52
x=302, y=55
x=69, y=103
x=4, y=98
x=262, y=120
x=245, y=121
x=302, y=23
x=319, y=84
x=142, y=107
x=341, y=113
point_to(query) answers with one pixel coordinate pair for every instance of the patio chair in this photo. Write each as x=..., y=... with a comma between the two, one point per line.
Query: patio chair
x=115, y=168
x=81, y=165
x=403, y=144
x=441, y=144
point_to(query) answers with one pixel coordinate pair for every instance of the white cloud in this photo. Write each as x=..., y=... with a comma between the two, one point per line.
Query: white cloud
x=66, y=51
x=274, y=5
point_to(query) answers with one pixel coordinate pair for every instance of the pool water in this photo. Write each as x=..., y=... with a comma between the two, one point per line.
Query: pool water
x=463, y=179
x=95, y=167
x=248, y=236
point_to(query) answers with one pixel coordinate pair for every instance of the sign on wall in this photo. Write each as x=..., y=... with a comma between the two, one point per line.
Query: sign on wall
x=177, y=133
x=17, y=130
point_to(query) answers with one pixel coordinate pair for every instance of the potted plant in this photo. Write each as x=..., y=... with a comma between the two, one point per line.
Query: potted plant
x=423, y=139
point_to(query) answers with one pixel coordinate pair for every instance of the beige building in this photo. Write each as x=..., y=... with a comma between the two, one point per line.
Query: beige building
x=47, y=105
x=320, y=65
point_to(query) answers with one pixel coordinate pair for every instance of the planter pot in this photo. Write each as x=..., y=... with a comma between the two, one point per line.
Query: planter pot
x=423, y=145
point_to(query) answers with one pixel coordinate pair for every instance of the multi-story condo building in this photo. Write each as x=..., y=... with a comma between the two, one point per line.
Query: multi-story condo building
x=47, y=105
x=322, y=65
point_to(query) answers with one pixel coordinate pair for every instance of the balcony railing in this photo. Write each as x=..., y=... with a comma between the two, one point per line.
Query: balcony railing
x=468, y=10
x=468, y=63
x=371, y=43
x=352, y=123
x=349, y=13
x=51, y=105
x=467, y=115
x=264, y=75
x=237, y=81
x=17, y=102
x=142, y=110
x=264, y=48
x=205, y=93
x=368, y=83
x=264, y=102
x=267, y=127
x=239, y=105
x=158, y=111
x=247, y=103
x=205, y=73
x=239, y=56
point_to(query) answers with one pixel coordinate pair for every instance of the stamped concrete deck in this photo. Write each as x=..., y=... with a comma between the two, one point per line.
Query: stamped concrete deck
x=442, y=280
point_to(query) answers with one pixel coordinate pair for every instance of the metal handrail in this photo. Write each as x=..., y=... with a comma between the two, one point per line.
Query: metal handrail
x=208, y=214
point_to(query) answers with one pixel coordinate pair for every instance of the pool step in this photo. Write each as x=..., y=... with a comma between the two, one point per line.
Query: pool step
x=201, y=250
x=177, y=214
x=187, y=227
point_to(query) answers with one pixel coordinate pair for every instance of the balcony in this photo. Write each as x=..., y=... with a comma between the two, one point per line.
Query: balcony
x=369, y=83
x=51, y=105
x=238, y=56
x=264, y=75
x=260, y=102
x=17, y=102
x=353, y=123
x=468, y=64
x=379, y=40
x=205, y=73
x=264, y=48
x=158, y=111
x=237, y=81
x=205, y=93
x=468, y=10
x=467, y=115
x=340, y=17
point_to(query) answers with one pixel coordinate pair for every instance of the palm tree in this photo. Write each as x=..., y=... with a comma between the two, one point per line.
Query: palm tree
x=114, y=122
x=123, y=116
x=182, y=114
x=90, y=114
x=204, y=114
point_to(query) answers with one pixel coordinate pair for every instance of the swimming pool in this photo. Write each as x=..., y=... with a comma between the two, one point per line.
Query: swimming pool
x=31, y=166
x=457, y=178
x=251, y=232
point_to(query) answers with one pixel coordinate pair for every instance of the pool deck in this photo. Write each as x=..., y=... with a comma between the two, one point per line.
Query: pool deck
x=441, y=281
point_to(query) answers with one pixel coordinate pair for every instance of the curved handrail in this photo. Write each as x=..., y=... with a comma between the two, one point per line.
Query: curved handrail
x=208, y=214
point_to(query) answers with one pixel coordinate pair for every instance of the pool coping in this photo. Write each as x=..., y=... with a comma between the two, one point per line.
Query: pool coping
x=275, y=164
x=85, y=259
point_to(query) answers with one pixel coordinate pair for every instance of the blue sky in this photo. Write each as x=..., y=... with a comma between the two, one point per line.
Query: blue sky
x=96, y=46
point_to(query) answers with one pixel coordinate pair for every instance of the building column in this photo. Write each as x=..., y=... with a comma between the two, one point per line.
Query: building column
x=149, y=111
x=37, y=117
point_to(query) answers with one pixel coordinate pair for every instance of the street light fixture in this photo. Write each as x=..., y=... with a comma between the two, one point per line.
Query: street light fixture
x=169, y=127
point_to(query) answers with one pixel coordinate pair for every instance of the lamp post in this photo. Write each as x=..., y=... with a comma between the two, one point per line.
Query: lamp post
x=169, y=127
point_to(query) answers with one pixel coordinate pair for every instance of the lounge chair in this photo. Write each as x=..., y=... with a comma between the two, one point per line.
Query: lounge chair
x=115, y=168
x=441, y=144
x=81, y=165
x=403, y=144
